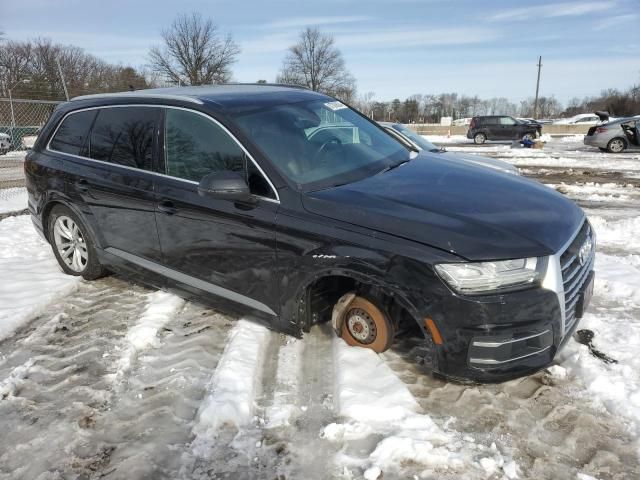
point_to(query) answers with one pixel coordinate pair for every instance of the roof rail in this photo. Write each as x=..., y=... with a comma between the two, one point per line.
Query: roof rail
x=138, y=93
x=290, y=85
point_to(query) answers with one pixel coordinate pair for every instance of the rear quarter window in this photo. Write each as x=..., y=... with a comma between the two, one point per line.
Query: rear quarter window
x=72, y=133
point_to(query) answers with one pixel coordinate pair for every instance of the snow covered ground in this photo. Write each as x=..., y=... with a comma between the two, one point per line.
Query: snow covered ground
x=13, y=200
x=109, y=379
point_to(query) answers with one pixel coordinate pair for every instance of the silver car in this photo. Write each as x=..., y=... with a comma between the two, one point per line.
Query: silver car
x=413, y=140
x=615, y=136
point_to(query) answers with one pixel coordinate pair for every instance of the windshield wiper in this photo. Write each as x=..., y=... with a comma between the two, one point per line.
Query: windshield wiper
x=393, y=165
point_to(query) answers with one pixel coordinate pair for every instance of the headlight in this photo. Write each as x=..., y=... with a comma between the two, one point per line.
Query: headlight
x=486, y=277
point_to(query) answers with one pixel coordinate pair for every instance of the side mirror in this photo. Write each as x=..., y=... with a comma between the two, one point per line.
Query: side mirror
x=225, y=185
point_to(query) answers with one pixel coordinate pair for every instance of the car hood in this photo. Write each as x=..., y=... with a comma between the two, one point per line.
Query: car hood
x=469, y=210
x=480, y=160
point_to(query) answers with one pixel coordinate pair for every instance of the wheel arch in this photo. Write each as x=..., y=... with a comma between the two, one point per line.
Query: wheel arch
x=316, y=297
x=51, y=203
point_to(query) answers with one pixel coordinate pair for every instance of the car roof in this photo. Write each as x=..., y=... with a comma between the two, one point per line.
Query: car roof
x=227, y=96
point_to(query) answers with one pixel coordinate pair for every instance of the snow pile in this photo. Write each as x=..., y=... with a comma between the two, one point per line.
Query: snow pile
x=438, y=139
x=10, y=385
x=618, y=277
x=376, y=403
x=579, y=138
x=288, y=374
x=233, y=386
x=617, y=334
x=13, y=200
x=31, y=277
x=599, y=192
x=161, y=308
x=623, y=233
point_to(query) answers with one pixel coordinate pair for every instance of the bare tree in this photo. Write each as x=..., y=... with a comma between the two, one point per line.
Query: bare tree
x=14, y=62
x=316, y=63
x=30, y=70
x=194, y=52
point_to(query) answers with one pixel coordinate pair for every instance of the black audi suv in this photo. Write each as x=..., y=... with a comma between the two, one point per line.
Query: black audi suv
x=289, y=204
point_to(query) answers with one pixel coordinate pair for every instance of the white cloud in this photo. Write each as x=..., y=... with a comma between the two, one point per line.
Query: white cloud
x=311, y=21
x=615, y=21
x=415, y=38
x=279, y=42
x=565, y=9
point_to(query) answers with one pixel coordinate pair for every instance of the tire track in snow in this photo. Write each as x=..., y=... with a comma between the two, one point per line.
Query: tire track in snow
x=543, y=421
x=385, y=431
x=67, y=354
x=306, y=373
x=148, y=427
x=226, y=432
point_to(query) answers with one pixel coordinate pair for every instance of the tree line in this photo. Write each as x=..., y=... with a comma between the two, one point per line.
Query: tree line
x=431, y=108
x=195, y=52
x=29, y=69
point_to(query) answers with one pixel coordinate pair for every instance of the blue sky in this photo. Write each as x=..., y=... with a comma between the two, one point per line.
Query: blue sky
x=394, y=48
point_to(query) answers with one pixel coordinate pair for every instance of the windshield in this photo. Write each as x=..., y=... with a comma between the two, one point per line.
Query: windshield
x=321, y=143
x=419, y=140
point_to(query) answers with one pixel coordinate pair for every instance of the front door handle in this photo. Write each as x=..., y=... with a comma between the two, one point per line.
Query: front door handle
x=82, y=185
x=167, y=206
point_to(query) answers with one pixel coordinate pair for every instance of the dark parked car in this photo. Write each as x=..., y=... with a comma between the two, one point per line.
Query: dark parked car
x=240, y=194
x=502, y=127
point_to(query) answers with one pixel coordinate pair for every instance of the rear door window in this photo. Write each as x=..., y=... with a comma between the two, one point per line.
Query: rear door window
x=124, y=136
x=72, y=133
x=508, y=121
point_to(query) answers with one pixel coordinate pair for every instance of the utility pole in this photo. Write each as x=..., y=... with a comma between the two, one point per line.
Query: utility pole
x=64, y=84
x=535, y=103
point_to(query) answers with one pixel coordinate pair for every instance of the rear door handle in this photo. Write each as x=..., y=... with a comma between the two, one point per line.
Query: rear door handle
x=82, y=185
x=167, y=206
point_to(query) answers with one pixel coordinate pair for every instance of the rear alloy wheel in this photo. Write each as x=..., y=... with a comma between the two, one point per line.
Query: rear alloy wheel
x=479, y=138
x=616, y=145
x=366, y=325
x=72, y=246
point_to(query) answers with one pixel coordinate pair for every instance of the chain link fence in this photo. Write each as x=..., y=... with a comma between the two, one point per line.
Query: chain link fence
x=20, y=121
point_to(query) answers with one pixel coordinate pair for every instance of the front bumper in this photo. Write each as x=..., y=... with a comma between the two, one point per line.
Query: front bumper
x=495, y=338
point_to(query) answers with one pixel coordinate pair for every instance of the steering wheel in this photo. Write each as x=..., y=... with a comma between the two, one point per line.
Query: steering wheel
x=328, y=141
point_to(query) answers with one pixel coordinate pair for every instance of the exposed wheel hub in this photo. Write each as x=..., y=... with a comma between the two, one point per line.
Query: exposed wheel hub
x=361, y=326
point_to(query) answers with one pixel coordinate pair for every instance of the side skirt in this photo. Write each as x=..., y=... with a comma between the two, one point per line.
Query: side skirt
x=191, y=281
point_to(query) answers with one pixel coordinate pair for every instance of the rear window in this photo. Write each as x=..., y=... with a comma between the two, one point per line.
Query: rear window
x=124, y=136
x=72, y=133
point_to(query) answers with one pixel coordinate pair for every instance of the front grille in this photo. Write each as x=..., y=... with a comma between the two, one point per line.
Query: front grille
x=575, y=272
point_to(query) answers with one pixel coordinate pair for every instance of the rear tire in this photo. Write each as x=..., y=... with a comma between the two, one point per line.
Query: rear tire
x=368, y=326
x=616, y=145
x=479, y=138
x=72, y=244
